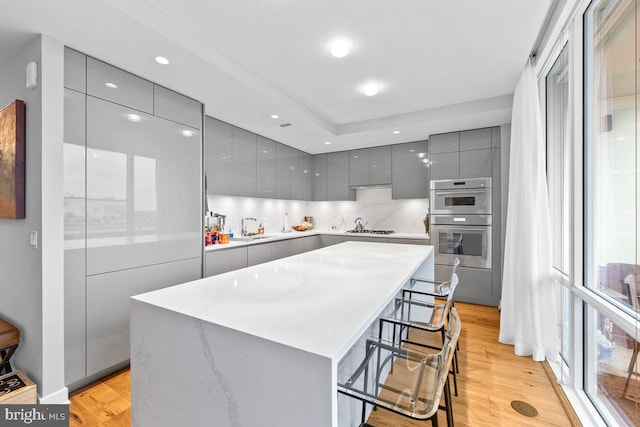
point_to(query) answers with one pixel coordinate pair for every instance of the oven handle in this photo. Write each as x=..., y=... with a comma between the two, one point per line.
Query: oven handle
x=459, y=192
x=461, y=228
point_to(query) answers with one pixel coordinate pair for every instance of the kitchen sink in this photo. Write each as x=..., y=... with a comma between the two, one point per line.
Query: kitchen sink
x=249, y=238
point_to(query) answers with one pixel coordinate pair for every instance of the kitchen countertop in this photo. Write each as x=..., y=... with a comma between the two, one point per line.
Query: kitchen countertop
x=273, y=237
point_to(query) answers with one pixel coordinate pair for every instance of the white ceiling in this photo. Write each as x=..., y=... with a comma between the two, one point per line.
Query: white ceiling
x=443, y=65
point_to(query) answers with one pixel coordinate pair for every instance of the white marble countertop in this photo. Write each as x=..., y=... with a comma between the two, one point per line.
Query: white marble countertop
x=319, y=301
x=273, y=237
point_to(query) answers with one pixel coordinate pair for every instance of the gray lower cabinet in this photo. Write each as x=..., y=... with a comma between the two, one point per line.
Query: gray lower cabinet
x=475, y=164
x=113, y=84
x=310, y=243
x=176, y=107
x=320, y=181
x=75, y=344
x=265, y=252
x=410, y=241
x=244, y=162
x=266, y=168
x=224, y=260
x=445, y=165
x=410, y=175
x=108, y=307
x=218, y=160
x=365, y=239
x=329, y=240
x=296, y=246
x=338, y=177
x=475, y=286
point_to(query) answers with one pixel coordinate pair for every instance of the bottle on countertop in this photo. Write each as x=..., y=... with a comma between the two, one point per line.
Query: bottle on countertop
x=260, y=229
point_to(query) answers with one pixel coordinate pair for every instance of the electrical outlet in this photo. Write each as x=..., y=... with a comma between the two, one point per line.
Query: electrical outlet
x=33, y=239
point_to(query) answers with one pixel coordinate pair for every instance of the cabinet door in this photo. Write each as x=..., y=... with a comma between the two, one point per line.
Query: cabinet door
x=410, y=241
x=476, y=139
x=410, y=175
x=329, y=240
x=307, y=176
x=218, y=165
x=365, y=239
x=380, y=165
x=475, y=284
x=444, y=143
x=280, y=249
x=338, y=177
x=143, y=187
x=359, y=167
x=495, y=137
x=320, y=182
x=266, y=168
x=297, y=180
x=296, y=246
x=108, y=307
x=177, y=107
x=244, y=162
x=129, y=90
x=224, y=260
x=445, y=166
x=258, y=254
x=284, y=158
x=311, y=243
x=75, y=70
x=475, y=164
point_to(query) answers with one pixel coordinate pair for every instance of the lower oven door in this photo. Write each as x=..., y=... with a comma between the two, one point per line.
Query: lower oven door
x=472, y=244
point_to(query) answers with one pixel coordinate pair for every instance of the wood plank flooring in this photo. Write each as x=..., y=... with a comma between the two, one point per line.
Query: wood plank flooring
x=490, y=377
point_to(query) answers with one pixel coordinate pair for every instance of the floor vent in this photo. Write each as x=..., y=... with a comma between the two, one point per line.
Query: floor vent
x=523, y=408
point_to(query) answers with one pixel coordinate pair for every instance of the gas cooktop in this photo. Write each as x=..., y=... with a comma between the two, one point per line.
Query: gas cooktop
x=371, y=231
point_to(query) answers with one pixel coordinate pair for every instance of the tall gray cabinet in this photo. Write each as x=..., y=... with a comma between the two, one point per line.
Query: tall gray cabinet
x=132, y=204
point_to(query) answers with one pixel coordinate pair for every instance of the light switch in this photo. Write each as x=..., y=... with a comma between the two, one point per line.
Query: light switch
x=33, y=239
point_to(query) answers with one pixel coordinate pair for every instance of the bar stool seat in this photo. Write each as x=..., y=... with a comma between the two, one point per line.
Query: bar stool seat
x=9, y=340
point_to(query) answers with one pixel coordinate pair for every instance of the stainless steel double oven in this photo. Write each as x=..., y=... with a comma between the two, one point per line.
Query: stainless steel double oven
x=461, y=221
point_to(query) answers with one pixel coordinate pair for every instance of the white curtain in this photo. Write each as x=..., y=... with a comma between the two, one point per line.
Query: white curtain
x=528, y=317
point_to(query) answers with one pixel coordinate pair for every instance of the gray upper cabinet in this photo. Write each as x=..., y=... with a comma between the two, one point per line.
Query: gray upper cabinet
x=307, y=176
x=380, y=165
x=75, y=70
x=218, y=157
x=475, y=164
x=244, y=162
x=320, y=181
x=476, y=139
x=445, y=165
x=495, y=137
x=302, y=176
x=175, y=107
x=266, y=168
x=410, y=175
x=284, y=160
x=113, y=84
x=338, y=177
x=444, y=143
x=359, y=167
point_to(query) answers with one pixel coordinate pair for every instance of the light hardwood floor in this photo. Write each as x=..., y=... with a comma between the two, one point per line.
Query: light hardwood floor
x=490, y=377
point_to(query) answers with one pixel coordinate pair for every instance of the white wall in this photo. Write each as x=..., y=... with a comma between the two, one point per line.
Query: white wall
x=32, y=278
x=373, y=205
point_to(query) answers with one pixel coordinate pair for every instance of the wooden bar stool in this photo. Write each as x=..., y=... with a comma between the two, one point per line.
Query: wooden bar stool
x=9, y=340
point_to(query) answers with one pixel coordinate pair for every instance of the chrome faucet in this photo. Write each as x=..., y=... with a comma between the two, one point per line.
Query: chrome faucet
x=244, y=227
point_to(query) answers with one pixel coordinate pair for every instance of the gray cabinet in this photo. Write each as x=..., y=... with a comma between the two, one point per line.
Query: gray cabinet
x=296, y=246
x=280, y=249
x=311, y=243
x=380, y=165
x=265, y=252
x=108, y=307
x=410, y=175
x=244, y=162
x=329, y=240
x=176, y=107
x=218, y=165
x=444, y=143
x=365, y=239
x=475, y=164
x=113, y=84
x=320, y=181
x=338, y=177
x=284, y=160
x=475, y=284
x=476, y=139
x=410, y=241
x=301, y=176
x=223, y=260
x=75, y=70
x=266, y=168
x=445, y=165
x=359, y=167
x=307, y=177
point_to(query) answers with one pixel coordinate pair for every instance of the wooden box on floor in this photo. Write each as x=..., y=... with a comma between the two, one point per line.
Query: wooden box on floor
x=17, y=389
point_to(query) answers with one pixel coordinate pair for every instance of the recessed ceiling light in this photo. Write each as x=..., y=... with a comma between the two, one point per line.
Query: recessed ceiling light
x=327, y=143
x=134, y=118
x=275, y=116
x=340, y=48
x=370, y=89
x=265, y=151
x=111, y=85
x=187, y=133
x=395, y=132
x=411, y=151
x=162, y=60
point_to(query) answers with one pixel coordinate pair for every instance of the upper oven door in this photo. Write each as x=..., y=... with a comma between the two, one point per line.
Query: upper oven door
x=472, y=244
x=462, y=201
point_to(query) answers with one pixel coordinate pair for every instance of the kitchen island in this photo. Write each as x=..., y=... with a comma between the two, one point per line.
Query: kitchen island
x=262, y=345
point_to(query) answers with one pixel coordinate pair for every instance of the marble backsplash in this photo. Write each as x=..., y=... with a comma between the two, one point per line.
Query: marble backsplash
x=373, y=205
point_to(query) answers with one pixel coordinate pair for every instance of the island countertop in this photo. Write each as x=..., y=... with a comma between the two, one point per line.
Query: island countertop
x=319, y=301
